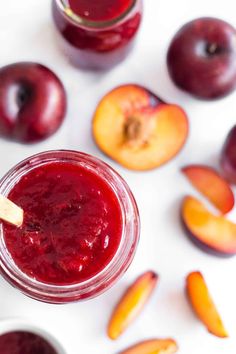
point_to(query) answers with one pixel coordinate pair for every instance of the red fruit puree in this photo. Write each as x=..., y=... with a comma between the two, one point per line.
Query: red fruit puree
x=72, y=224
x=102, y=10
x=24, y=343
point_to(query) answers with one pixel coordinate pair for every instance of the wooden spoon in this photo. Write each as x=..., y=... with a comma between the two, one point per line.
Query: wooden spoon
x=10, y=212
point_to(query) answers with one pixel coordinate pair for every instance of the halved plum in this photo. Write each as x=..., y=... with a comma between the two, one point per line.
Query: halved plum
x=214, y=187
x=214, y=234
x=136, y=133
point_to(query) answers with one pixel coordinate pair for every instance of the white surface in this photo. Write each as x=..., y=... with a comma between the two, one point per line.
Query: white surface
x=26, y=33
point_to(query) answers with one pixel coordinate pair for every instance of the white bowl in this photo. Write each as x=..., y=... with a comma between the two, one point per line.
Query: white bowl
x=15, y=324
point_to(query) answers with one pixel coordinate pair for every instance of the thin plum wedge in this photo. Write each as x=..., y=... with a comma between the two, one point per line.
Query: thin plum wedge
x=203, y=305
x=210, y=183
x=131, y=303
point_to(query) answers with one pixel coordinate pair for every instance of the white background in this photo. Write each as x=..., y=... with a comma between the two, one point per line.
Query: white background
x=27, y=33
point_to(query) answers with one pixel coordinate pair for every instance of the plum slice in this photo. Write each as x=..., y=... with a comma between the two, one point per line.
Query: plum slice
x=214, y=234
x=203, y=305
x=131, y=303
x=211, y=185
x=153, y=346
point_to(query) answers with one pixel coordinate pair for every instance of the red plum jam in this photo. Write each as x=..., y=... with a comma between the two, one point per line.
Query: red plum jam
x=80, y=228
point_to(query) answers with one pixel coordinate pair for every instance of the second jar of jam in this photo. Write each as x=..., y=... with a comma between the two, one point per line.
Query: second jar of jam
x=97, y=34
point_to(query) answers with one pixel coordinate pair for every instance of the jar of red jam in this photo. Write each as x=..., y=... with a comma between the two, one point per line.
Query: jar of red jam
x=80, y=230
x=97, y=34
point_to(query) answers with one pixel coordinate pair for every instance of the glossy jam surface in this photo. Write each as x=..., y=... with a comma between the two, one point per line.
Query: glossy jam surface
x=72, y=224
x=24, y=343
x=102, y=10
x=98, y=47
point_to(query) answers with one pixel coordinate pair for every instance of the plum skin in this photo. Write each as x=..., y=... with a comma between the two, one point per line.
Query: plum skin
x=228, y=156
x=201, y=58
x=33, y=102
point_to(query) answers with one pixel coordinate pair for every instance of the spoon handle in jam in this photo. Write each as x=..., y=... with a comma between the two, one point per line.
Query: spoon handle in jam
x=10, y=212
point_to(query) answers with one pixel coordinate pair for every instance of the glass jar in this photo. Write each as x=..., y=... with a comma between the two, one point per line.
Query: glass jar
x=123, y=256
x=93, y=44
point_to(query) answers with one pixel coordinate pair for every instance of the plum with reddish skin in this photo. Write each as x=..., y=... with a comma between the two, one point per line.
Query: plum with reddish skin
x=32, y=102
x=202, y=58
x=228, y=156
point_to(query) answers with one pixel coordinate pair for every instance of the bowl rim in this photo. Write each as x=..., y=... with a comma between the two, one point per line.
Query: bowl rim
x=20, y=324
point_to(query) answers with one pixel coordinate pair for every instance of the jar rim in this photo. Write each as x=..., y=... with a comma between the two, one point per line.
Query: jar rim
x=130, y=226
x=81, y=21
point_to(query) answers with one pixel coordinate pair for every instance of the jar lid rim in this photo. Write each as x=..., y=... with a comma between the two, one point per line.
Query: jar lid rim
x=79, y=20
